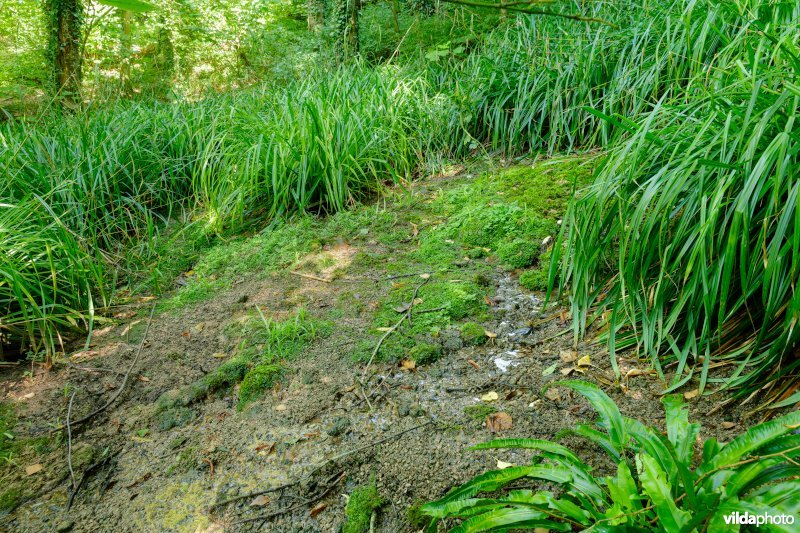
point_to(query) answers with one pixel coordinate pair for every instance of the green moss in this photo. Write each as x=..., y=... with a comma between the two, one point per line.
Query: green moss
x=363, y=501
x=425, y=353
x=9, y=500
x=518, y=253
x=174, y=417
x=473, y=334
x=479, y=412
x=416, y=518
x=256, y=381
x=537, y=278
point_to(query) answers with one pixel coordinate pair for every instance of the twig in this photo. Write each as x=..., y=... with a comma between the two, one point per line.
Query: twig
x=339, y=477
x=69, y=441
x=85, y=476
x=309, y=276
x=124, y=381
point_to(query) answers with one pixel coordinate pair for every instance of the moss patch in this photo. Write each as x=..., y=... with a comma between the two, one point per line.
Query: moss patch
x=479, y=412
x=425, y=353
x=363, y=501
x=257, y=380
x=473, y=334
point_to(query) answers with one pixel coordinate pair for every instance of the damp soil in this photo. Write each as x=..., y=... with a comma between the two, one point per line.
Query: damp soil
x=331, y=424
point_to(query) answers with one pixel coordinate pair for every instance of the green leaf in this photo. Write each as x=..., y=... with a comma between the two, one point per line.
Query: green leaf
x=609, y=412
x=486, y=482
x=529, y=444
x=509, y=518
x=656, y=487
x=680, y=432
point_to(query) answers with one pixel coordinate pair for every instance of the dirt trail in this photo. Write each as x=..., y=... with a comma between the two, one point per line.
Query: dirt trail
x=314, y=429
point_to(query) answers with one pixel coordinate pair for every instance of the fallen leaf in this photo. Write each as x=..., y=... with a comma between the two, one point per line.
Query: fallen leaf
x=728, y=425
x=280, y=407
x=474, y=364
x=383, y=329
x=634, y=372
x=585, y=361
x=497, y=422
x=219, y=355
x=490, y=396
x=143, y=379
x=691, y=394
x=27, y=396
x=125, y=314
x=414, y=232
x=566, y=371
x=489, y=301
x=402, y=308
x=550, y=369
x=33, y=469
x=568, y=356
x=408, y=364
x=266, y=447
x=418, y=301
x=501, y=465
x=260, y=501
x=552, y=394
x=534, y=404
x=490, y=334
x=425, y=276
x=317, y=509
x=199, y=327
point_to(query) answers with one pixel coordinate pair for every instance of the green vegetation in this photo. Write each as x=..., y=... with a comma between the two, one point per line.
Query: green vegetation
x=425, y=353
x=660, y=483
x=473, y=334
x=479, y=411
x=363, y=502
x=265, y=345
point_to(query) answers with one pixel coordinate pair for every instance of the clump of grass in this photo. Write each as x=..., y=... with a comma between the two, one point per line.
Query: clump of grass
x=687, y=242
x=425, y=353
x=363, y=502
x=257, y=380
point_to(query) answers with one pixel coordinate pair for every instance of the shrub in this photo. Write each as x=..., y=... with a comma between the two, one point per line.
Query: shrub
x=659, y=483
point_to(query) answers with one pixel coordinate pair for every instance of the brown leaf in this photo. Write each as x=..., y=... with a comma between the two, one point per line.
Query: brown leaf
x=497, y=422
x=568, y=356
x=566, y=371
x=728, y=425
x=489, y=301
x=552, y=394
x=260, y=501
x=474, y=364
x=143, y=379
x=408, y=364
x=33, y=469
x=317, y=509
x=490, y=334
x=414, y=232
x=691, y=394
x=125, y=314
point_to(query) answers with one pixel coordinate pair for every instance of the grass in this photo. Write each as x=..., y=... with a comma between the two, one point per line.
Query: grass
x=688, y=243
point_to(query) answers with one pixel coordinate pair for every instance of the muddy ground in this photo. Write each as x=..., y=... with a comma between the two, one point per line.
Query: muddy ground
x=331, y=423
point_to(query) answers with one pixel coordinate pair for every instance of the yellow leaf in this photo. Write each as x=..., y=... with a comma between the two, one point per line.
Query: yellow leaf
x=585, y=361
x=33, y=469
x=491, y=396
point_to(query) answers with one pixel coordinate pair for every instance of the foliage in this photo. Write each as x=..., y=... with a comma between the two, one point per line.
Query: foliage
x=688, y=242
x=473, y=334
x=659, y=484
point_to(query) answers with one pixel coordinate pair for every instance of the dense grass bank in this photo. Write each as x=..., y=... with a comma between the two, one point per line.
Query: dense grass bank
x=81, y=192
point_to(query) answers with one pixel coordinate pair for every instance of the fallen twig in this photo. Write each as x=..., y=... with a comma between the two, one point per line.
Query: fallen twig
x=309, y=276
x=124, y=380
x=264, y=517
x=85, y=476
x=69, y=441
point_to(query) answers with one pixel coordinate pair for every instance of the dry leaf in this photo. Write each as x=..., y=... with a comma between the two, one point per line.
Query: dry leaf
x=219, y=355
x=552, y=394
x=280, y=407
x=383, y=329
x=425, y=276
x=489, y=301
x=501, y=465
x=691, y=394
x=728, y=425
x=566, y=371
x=402, y=308
x=474, y=364
x=490, y=334
x=33, y=469
x=143, y=379
x=497, y=422
x=585, y=361
x=414, y=232
x=317, y=509
x=199, y=327
x=549, y=370
x=408, y=364
x=568, y=356
x=490, y=396
x=260, y=501
x=534, y=404
x=125, y=314
x=634, y=372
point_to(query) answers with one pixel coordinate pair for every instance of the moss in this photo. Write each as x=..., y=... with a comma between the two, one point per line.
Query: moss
x=425, y=353
x=363, y=501
x=416, y=518
x=256, y=381
x=473, y=334
x=9, y=500
x=175, y=417
x=479, y=412
x=518, y=253
x=534, y=280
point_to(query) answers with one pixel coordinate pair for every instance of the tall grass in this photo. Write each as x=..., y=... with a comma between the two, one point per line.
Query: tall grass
x=688, y=243
x=78, y=193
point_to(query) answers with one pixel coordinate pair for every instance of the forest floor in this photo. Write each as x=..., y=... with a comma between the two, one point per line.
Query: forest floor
x=257, y=372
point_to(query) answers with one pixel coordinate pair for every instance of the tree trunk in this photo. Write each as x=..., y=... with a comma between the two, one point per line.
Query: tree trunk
x=125, y=49
x=64, y=47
